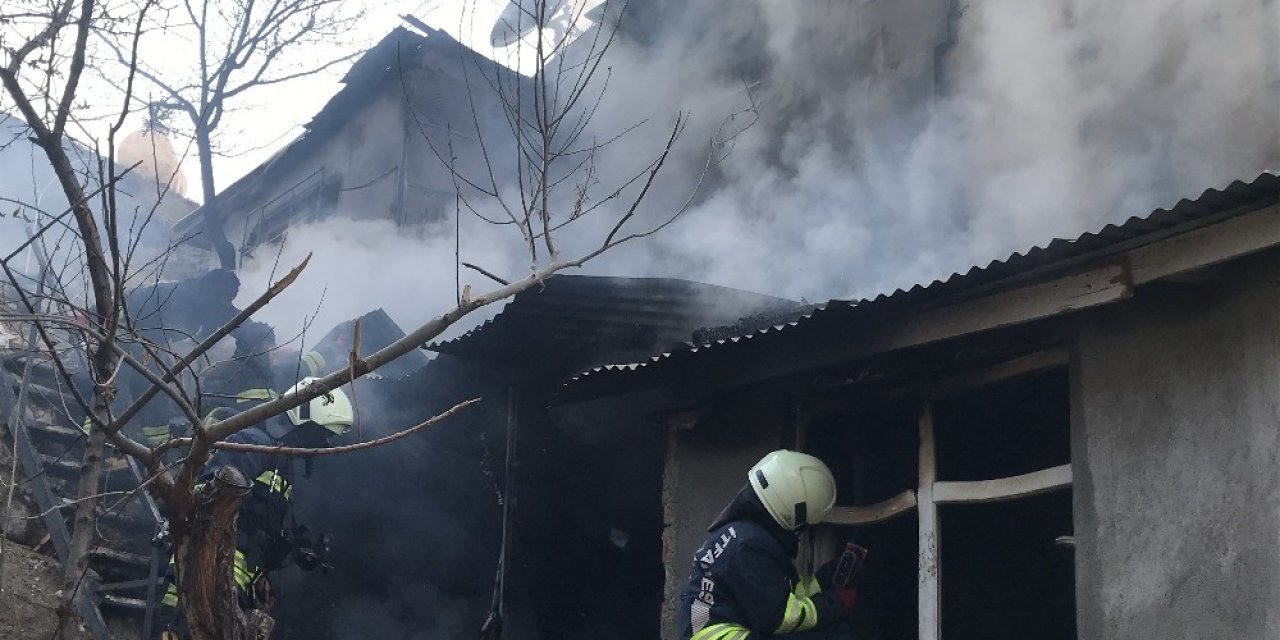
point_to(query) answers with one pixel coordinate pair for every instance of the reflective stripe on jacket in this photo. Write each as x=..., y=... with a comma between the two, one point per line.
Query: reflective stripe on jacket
x=256, y=395
x=244, y=577
x=723, y=631
x=743, y=580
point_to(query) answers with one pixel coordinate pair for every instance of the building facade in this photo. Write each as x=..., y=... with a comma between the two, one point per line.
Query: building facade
x=1078, y=442
x=378, y=150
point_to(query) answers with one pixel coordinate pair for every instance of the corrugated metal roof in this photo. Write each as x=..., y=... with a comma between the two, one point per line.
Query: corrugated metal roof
x=1060, y=254
x=577, y=321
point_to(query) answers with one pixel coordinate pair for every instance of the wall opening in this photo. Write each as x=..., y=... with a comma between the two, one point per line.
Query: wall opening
x=887, y=585
x=1002, y=575
x=961, y=493
x=872, y=452
x=1004, y=429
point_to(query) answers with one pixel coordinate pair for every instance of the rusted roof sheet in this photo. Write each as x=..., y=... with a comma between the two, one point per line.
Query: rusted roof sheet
x=1211, y=206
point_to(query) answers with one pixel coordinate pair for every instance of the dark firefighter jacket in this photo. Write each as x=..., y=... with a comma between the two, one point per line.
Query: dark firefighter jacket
x=264, y=514
x=237, y=385
x=265, y=533
x=170, y=311
x=744, y=585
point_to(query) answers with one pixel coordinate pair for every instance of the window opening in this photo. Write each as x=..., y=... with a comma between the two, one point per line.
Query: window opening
x=1003, y=577
x=964, y=495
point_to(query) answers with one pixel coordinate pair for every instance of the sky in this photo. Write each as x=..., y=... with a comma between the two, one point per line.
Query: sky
x=271, y=123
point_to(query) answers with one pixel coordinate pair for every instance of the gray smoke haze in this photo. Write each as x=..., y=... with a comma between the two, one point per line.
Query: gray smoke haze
x=360, y=266
x=31, y=196
x=897, y=145
x=896, y=142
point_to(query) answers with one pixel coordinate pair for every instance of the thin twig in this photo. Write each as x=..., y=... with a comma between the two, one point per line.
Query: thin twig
x=485, y=273
x=307, y=452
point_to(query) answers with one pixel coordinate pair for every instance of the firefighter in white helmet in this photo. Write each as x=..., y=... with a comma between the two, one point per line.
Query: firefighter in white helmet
x=744, y=583
x=266, y=537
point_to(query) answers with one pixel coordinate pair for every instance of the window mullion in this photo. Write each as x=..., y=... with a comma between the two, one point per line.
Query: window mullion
x=930, y=586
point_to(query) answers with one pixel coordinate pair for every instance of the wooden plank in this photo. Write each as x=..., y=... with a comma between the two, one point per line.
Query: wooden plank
x=839, y=398
x=1028, y=364
x=32, y=467
x=874, y=513
x=1011, y=488
x=1207, y=246
x=930, y=594
x=1100, y=286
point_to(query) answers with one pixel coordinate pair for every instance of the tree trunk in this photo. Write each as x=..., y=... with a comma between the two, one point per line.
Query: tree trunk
x=77, y=561
x=204, y=553
x=102, y=364
x=212, y=216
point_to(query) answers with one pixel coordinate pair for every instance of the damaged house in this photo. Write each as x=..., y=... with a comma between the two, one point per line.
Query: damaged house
x=1074, y=442
x=365, y=155
x=1078, y=441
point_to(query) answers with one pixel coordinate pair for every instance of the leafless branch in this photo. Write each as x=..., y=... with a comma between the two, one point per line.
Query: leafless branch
x=305, y=452
x=274, y=290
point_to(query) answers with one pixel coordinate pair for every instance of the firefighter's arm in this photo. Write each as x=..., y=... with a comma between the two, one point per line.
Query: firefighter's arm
x=251, y=464
x=761, y=584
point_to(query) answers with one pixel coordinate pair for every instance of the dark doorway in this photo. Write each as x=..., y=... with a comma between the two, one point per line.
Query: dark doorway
x=1003, y=577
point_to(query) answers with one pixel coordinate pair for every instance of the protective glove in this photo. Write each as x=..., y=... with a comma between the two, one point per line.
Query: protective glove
x=848, y=597
x=826, y=574
x=310, y=555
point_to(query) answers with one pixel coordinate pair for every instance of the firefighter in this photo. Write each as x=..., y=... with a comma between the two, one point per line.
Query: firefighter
x=248, y=378
x=169, y=314
x=266, y=537
x=228, y=387
x=189, y=309
x=744, y=583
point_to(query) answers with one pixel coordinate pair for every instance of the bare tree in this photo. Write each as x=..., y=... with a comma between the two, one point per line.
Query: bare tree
x=48, y=130
x=543, y=181
x=238, y=47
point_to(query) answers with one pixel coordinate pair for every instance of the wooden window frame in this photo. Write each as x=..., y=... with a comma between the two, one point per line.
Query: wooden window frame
x=930, y=493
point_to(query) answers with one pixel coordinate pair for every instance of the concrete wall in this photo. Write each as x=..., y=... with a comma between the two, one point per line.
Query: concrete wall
x=706, y=466
x=1176, y=403
x=380, y=153
x=362, y=157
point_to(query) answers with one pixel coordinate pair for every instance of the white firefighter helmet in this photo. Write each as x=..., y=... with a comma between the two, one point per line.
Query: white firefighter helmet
x=314, y=363
x=796, y=488
x=332, y=410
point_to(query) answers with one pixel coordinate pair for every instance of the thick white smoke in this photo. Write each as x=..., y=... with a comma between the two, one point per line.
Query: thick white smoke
x=357, y=267
x=897, y=143
x=894, y=143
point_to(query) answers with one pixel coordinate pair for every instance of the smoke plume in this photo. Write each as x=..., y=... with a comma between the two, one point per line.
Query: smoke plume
x=892, y=144
x=900, y=142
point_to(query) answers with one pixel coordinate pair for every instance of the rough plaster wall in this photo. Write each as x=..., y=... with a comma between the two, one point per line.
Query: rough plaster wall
x=368, y=145
x=1175, y=453
x=706, y=466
